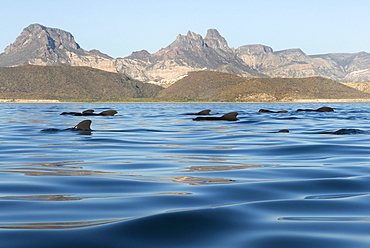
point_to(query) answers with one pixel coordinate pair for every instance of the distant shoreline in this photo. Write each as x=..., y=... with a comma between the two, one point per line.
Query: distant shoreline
x=167, y=101
x=29, y=101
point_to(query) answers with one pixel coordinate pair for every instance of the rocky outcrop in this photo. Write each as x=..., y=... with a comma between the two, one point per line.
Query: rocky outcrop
x=40, y=45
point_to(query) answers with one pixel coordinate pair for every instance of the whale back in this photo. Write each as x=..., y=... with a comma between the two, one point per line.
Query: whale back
x=349, y=131
x=88, y=111
x=109, y=112
x=325, y=109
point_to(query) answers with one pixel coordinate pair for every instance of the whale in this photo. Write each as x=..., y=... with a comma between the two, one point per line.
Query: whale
x=84, y=125
x=270, y=111
x=348, y=131
x=203, y=112
x=283, y=131
x=322, y=109
x=343, y=131
x=226, y=117
x=90, y=112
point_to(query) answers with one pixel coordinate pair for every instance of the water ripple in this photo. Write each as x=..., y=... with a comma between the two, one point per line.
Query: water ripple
x=151, y=177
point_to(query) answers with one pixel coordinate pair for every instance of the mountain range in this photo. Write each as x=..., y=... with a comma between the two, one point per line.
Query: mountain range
x=40, y=45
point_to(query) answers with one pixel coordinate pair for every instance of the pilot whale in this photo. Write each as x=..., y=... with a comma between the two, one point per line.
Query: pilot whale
x=270, y=111
x=343, y=131
x=203, y=112
x=82, y=126
x=226, y=117
x=322, y=109
x=89, y=112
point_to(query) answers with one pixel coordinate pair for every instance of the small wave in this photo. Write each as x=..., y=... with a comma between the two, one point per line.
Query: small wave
x=325, y=218
x=56, y=225
x=41, y=198
x=333, y=196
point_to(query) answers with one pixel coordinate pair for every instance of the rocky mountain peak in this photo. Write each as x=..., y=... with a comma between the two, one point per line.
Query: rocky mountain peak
x=215, y=40
x=38, y=36
x=212, y=33
x=189, y=41
x=193, y=36
x=143, y=55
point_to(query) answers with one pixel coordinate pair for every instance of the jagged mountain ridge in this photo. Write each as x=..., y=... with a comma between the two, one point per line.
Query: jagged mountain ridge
x=40, y=45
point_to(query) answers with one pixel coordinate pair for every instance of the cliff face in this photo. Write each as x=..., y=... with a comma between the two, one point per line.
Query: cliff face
x=296, y=64
x=40, y=45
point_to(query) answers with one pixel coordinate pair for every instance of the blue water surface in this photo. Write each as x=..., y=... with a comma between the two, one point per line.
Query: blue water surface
x=151, y=177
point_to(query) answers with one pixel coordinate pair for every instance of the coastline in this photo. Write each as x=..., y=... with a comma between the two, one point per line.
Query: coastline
x=167, y=101
x=29, y=101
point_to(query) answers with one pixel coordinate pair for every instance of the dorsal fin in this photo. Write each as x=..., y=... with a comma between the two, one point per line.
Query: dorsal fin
x=83, y=126
x=230, y=116
x=109, y=112
x=204, y=112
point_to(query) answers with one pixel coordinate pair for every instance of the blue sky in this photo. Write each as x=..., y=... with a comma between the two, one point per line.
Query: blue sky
x=120, y=27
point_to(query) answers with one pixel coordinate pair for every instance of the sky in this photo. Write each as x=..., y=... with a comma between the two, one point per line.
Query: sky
x=119, y=27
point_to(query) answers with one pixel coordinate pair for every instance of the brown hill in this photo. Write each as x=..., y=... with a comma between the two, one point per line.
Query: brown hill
x=67, y=82
x=217, y=86
x=201, y=85
x=362, y=86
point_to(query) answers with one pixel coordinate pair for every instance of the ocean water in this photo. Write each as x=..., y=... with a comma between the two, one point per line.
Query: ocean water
x=152, y=177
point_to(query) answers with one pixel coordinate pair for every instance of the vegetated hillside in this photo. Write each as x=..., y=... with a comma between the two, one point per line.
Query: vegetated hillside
x=67, y=82
x=290, y=89
x=202, y=85
x=216, y=86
